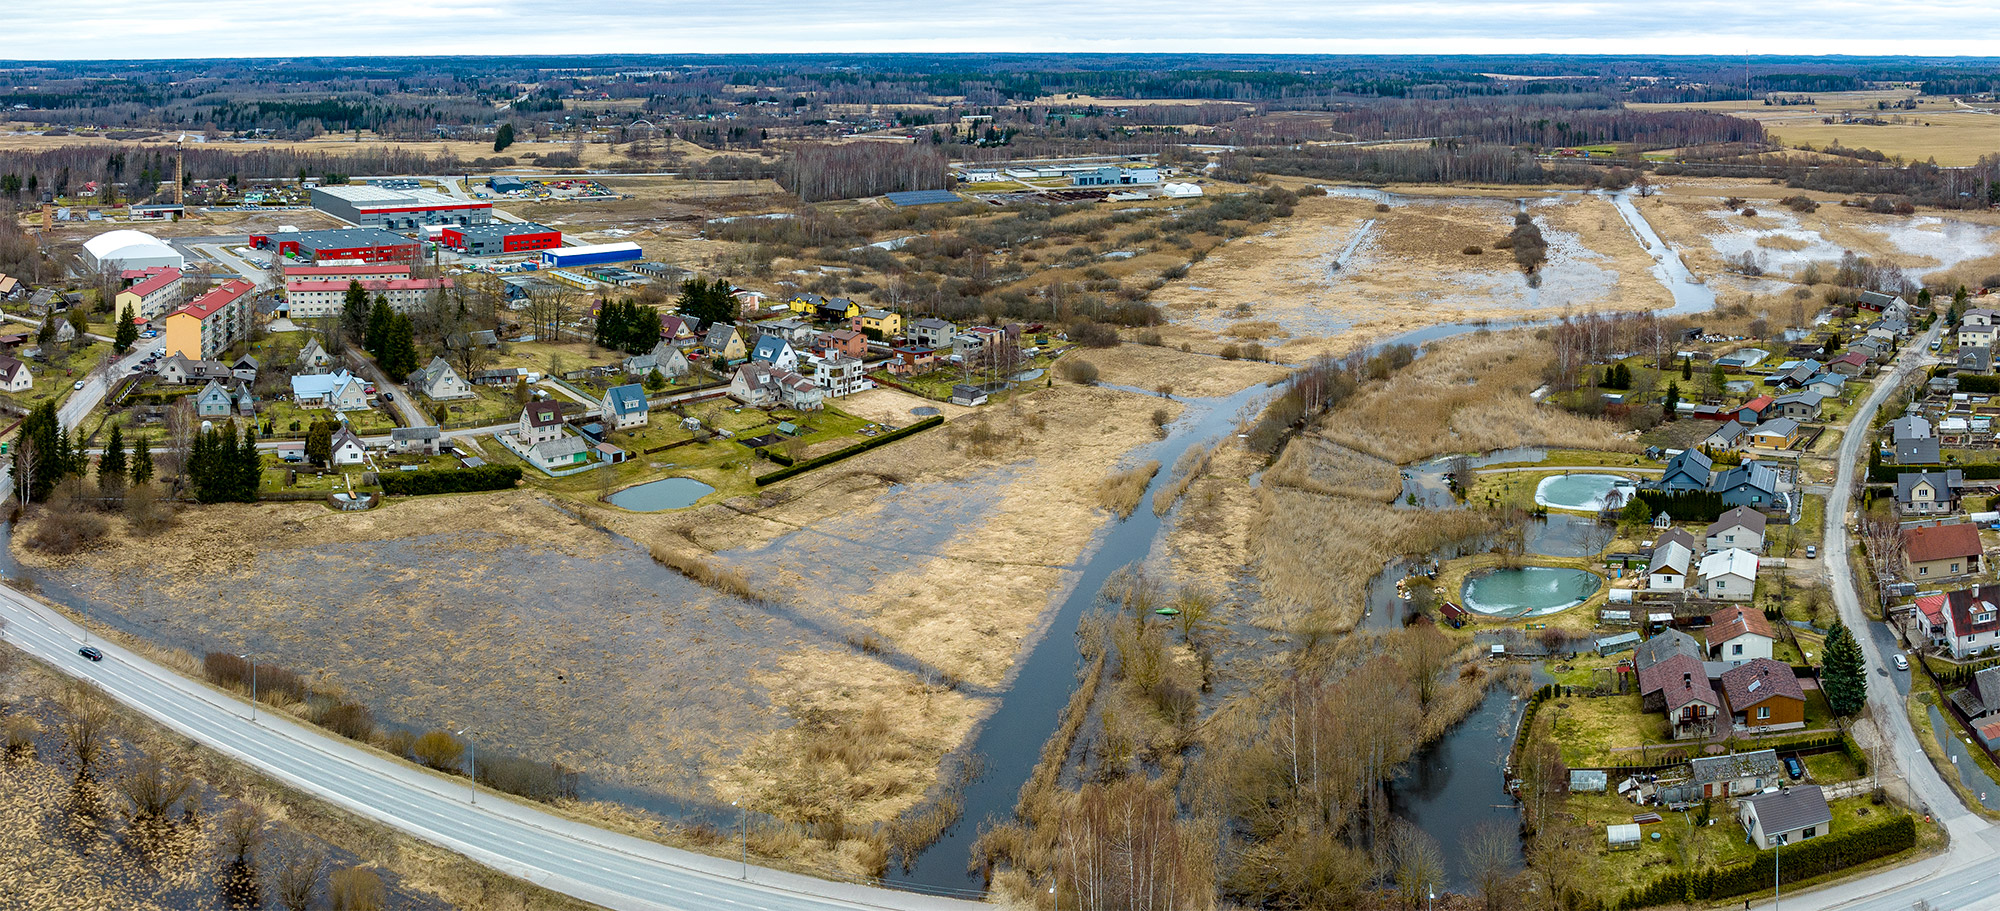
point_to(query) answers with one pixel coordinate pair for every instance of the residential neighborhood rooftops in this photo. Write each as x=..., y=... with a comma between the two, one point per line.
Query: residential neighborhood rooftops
x=627, y=399
x=1664, y=645
x=1742, y=516
x=1732, y=766
x=221, y=296
x=543, y=414
x=1924, y=544
x=1732, y=561
x=155, y=281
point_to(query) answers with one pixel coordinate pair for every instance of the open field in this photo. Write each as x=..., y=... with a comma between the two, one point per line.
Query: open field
x=1939, y=128
x=1339, y=272
x=17, y=135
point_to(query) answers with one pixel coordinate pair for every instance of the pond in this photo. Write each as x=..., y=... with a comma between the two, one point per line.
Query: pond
x=661, y=495
x=1584, y=492
x=1530, y=591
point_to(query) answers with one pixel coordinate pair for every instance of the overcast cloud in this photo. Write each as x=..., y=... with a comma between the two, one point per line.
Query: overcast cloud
x=242, y=28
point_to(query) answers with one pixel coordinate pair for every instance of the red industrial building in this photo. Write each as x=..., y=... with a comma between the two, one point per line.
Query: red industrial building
x=369, y=245
x=500, y=237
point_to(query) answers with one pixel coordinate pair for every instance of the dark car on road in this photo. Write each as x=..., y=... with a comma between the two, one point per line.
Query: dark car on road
x=91, y=652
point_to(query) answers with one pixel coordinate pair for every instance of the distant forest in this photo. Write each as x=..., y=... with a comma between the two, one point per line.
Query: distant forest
x=1494, y=118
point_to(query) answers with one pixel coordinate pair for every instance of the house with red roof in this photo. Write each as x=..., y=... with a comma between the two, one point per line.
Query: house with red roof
x=1970, y=620
x=1764, y=695
x=1942, y=551
x=1738, y=634
x=1678, y=687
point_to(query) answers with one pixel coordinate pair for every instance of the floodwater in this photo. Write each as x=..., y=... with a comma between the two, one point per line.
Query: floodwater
x=1459, y=783
x=1585, y=492
x=1530, y=591
x=1009, y=741
x=661, y=495
x=1789, y=246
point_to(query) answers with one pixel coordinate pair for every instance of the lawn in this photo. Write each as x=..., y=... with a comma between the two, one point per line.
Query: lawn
x=281, y=415
x=488, y=405
x=1588, y=728
x=1831, y=768
x=278, y=477
x=1717, y=845
x=54, y=381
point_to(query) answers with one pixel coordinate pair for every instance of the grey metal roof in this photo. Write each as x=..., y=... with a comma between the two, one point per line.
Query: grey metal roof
x=1758, y=764
x=923, y=197
x=1791, y=809
x=1741, y=515
x=500, y=230
x=1663, y=646
x=1944, y=482
x=342, y=238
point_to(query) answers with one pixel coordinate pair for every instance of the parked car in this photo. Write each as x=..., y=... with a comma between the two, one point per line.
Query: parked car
x=1902, y=663
x=388, y=396
x=1812, y=551
x=77, y=385
x=1794, y=768
x=91, y=652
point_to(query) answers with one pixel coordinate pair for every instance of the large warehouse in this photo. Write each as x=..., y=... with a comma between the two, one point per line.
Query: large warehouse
x=595, y=255
x=379, y=207
x=369, y=245
x=501, y=237
x=128, y=249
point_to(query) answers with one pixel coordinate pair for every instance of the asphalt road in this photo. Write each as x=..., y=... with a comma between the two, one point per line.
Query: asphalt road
x=591, y=864
x=1967, y=874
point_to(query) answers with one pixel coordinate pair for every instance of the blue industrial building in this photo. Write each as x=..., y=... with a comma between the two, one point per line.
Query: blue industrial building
x=599, y=254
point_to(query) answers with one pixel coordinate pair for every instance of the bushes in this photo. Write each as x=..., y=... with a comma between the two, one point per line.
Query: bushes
x=449, y=480
x=1091, y=334
x=1687, y=506
x=351, y=720
x=547, y=782
x=439, y=750
x=849, y=452
x=1800, y=203
x=1076, y=370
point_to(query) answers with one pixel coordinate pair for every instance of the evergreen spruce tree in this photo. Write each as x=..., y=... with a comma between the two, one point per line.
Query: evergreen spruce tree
x=1671, y=407
x=142, y=462
x=249, y=467
x=1687, y=368
x=354, y=311
x=1843, y=674
x=399, y=347
x=375, y=339
x=111, y=465
x=126, y=333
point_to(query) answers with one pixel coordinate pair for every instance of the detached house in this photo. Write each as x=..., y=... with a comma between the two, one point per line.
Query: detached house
x=1741, y=527
x=838, y=375
x=1976, y=328
x=1929, y=493
x=540, y=423
x=348, y=448
x=1970, y=622
x=931, y=333
x=335, y=391
x=1687, y=470
x=1802, y=405
x=724, y=344
x=438, y=382
x=1738, y=634
x=774, y=351
x=669, y=360
x=1764, y=695
x=1752, y=484
x=1735, y=774
x=1942, y=551
x=1678, y=687
x=214, y=401
x=313, y=358
x=1729, y=575
x=625, y=406
x=14, y=375
x=1668, y=568
x=1786, y=816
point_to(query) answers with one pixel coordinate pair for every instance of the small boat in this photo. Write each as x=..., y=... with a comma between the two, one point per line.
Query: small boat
x=1168, y=612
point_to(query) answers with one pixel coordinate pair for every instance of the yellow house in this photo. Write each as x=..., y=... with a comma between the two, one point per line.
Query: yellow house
x=725, y=344
x=888, y=323
x=804, y=304
x=206, y=326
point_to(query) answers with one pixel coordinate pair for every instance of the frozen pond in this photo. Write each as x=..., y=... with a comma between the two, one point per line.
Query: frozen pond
x=661, y=495
x=1530, y=591
x=1788, y=245
x=1585, y=492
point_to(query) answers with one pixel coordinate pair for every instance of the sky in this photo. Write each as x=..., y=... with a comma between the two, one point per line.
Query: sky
x=119, y=29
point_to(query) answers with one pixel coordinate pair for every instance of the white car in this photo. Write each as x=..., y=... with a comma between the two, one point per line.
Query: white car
x=77, y=385
x=1902, y=663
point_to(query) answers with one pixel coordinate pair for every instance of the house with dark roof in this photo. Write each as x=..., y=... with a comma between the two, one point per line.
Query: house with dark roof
x=1725, y=437
x=1971, y=622
x=1678, y=687
x=932, y=333
x=347, y=448
x=1738, y=634
x=540, y=422
x=1764, y=695
x=1740, y=527
x=1688, y=470
x=1663, y=645
x=1975, y=360
x=415, y=440
x=1752, y=484
x=1785, y=817
x=1802, y=405
x=1942, y=551
x=438, y=382
x=1735, y=774
x=1929, y=493
x=1685, y=537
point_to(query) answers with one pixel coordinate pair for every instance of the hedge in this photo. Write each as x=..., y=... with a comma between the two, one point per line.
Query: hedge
x=1805, y=860
x=1969, y=382
x=849, y=452
x=449, y=480
x=1686, y=505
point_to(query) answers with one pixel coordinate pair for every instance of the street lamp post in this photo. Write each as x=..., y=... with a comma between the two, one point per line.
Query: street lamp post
x=743, y=830
x=1055, y=897
x=472, y=764
x=1430, y=895
x=253, y=685
x=1775, y=845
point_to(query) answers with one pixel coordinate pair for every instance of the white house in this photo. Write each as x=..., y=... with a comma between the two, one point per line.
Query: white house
x=1668, y=569
x=1786, y=816
x=1976, y=328
x=1729, y=575
x=625, y=406
x=774, y=351
x=838, y=375
x=439, y=382
x=1738, y=634
x=540, y=422
x=1741, y=527
x=348, y=448
x=14, y=376
x=340, y=391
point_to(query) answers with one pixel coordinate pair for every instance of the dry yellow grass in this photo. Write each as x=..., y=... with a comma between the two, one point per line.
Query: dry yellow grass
x=1939, y=128
x=1315, y=464
x=1468, y=394
x=1314, y=554
x=1122, y=490
x=1187, y=374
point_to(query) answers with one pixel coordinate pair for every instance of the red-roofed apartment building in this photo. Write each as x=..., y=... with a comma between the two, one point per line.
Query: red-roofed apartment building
x=357, y=272
x=313, y=298
x=1942, y=551
x=155, y=292
x=205, y=327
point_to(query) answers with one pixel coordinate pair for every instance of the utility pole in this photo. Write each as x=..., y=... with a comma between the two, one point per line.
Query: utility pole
x=253, y=686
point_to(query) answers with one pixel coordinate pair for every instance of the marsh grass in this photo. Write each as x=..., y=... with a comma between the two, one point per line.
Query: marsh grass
x=1121, y=491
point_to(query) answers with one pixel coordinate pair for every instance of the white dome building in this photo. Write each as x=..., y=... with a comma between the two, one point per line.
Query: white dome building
x=128, y=249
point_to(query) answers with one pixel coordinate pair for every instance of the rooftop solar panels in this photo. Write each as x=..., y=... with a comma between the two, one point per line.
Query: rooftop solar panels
x=922, y=198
